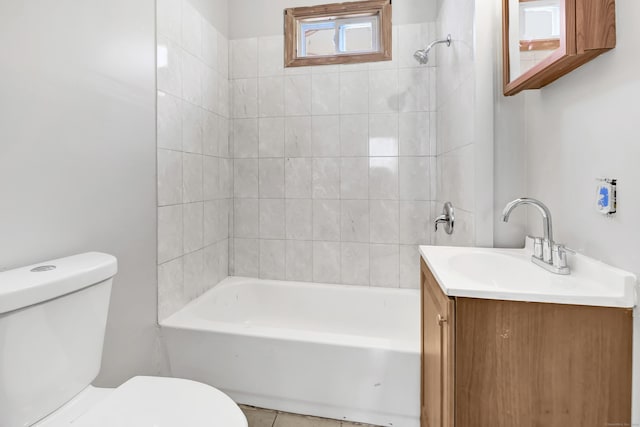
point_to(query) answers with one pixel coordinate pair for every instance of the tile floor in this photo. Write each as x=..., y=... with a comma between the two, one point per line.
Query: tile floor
x=258, y=417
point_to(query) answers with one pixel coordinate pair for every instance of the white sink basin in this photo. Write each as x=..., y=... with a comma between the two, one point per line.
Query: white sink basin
x=509, y=274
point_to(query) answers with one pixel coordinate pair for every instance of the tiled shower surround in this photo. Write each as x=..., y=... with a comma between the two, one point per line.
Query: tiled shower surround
x=333, y=165
x=323, y=174
x=194, y=166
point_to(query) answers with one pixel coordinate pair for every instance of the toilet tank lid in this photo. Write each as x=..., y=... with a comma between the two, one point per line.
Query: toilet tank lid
x=26, y=286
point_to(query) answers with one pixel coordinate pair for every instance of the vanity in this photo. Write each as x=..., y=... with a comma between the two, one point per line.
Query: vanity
x=506, y=343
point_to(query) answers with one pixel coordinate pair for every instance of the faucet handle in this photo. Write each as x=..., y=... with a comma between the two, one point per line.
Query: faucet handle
x=538, y=247
x=559, y=255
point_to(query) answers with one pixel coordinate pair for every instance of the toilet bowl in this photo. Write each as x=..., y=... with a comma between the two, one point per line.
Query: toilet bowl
x=52, y=322
x=149, y=402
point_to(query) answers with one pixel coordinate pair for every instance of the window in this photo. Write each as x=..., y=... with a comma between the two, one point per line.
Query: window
x=338, y=33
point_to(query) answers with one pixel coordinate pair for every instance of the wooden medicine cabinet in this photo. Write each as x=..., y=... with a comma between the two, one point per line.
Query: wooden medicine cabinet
x=545, y=39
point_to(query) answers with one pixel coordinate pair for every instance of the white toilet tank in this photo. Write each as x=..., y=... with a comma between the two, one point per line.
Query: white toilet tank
x=52, y=322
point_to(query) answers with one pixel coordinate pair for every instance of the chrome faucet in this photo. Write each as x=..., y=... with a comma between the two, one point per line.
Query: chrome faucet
x=546, y=253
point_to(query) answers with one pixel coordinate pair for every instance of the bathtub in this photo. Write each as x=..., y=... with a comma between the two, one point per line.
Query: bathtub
x=335, y=351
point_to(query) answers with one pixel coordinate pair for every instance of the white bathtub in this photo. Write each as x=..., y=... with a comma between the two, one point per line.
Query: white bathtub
x=343, y=352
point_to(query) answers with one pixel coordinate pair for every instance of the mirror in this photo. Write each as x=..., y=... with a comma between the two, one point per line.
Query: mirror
x=338, y=33
x=534, y=33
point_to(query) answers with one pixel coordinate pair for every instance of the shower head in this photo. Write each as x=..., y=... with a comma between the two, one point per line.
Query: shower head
x=422, y=56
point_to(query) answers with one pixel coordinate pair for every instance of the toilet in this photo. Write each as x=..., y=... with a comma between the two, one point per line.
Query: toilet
x=52, y=322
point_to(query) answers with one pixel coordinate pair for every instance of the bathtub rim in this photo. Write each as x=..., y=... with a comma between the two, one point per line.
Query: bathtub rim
x=184, y=319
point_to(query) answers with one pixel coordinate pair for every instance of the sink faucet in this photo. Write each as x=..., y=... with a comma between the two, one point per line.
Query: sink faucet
x=546, y=253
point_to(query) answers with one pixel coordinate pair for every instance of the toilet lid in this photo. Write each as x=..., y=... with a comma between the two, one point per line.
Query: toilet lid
x=164, y=402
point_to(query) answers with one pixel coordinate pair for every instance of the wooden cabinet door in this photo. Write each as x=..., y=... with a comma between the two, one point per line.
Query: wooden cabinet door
x=437, y=370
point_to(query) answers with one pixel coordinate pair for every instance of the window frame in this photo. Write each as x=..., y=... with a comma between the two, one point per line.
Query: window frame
x=341, y=12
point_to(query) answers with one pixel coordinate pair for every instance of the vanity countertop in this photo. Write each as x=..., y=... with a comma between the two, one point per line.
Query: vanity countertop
x=509, y=274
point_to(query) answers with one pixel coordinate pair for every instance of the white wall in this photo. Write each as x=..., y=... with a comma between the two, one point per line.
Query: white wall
x=255, y=18
x=582, y=127
x=77, y=153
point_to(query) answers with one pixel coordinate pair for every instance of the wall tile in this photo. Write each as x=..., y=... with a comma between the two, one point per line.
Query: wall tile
x=245, y=178
x=191, y=128
x=169, y=177
x=244, y=58
x=191, y=70
x=224, y=133
x=193, y=274
x=271, y=137
x=297, y=138
x=354, y=135
x=193, y=214
x=169, y=233
x=457, y=174
x=272, y=259
x=414, y=89
x=412, y=37
x=171, y=297
x=414, y=134
x=270, y=56
x=226, y=178
x=385, y=265
x=354, y=178
x=409, y=267
x=245, y=138
x=210, y=89
x=383, y=178
x=246, y=258
x=354, y=92
x=297, y=95
x=169, y=67
x=326, y=262
x=383, y=135
x=192, y=177
x=215, y=229
x=326, y=178
x=383, y=91
x=272, y=219
x=209, y=45
x=355, y=263
x=326, y=220
x=325, y=136
x=271, y=96
x=224, y=97
x=223, y=56
x=385, y=221
x=169, y=122
x=299, y=260
x=355, y=221
x=271, y=178
x=246, y=221
x=245, y=98
x=298, y=178
x=212, y=274
x=414, y=178
x=325, y=94
x=299, y=214
x=415, y=223
x=211, y=134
